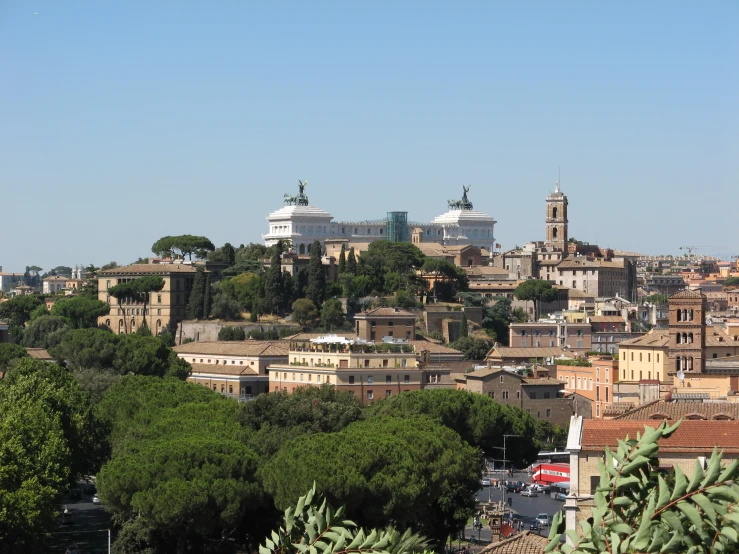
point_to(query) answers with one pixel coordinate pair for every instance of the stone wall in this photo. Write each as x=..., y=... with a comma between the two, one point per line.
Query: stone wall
x=208, y=330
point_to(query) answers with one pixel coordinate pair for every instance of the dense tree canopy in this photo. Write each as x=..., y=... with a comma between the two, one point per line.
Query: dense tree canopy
x=478, y=419
x=80, y=311
x=83, y=349
x=279, y=416
x=304, y=311
x=48, y=434
x=10, y=354
x=537, y=291
x=183, y=245
x=180, y=466
x=409, y=472
x=45, y=331
x=17, y=311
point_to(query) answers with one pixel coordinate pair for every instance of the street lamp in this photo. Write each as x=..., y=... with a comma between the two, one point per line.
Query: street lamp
x=505, y=459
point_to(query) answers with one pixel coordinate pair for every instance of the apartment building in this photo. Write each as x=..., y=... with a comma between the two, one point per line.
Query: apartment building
x=166, y=307
x=237, y=369
x=369, y=370
x=594, y=382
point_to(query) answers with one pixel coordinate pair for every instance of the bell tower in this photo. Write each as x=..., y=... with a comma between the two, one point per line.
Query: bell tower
x=687, y=325
x=556, y=220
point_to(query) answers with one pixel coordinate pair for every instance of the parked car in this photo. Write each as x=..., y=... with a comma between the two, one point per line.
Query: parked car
x=560, y=496
x=96, y=500
x=529, y=492
x=485, y=482
x=542, y=520
x=537, y=487
x=534, y=526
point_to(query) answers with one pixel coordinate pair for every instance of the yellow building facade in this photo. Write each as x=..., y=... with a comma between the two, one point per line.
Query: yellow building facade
x=164, y=308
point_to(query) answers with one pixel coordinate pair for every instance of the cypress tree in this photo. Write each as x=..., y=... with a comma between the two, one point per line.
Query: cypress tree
x=316, y=288
x=208, y=299
x=351, y=262
x=197, y=296
x=273, y=285
x=342, y=259
x=463, y=329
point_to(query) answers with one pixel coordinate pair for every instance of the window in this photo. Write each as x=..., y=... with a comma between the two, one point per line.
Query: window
x=518, y=394
x=370, y=395
x=597, y=394
x=501, y=378
x=549, y=412
x=632, y=356
x=388, y=379
x=159, y=298
x=370, y=380
x=523, y=344
x=606, y=394
x=505, y=395
x=387, y=392
x=597, y=375
x=491, y=394
x=351, y=379
x=546, y=395
x=597, y=414
x=406, y=379
x=532, y=395
x=640, y=357
x=591, y=383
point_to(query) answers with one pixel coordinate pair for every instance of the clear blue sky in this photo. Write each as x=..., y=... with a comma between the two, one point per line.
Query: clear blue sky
x=121, y=122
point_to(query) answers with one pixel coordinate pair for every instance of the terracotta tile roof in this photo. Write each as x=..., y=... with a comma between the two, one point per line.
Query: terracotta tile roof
x=388, y=312
x=543, y=381
x=661, y=409
x=504, y=352
x=218, y=369
x=617, y=408
x=39, y=354
x=718, y=336
x=56, y=278
x=521, y=543
x=485, y=270
x=308, y=336
x=246, y=348
x=606, y=319
x=150, y=269
x=432, y=347
x=690, y=437
x=574, y=293
x=654, y=339
x=687, y=294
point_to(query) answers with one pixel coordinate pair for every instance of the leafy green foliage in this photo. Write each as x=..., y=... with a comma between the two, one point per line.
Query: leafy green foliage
x=274, y=293
x=473, y=349
x=80, y=311
x=641, y=508
x=183, y=245
x=332, y=314
x=181, y=476
x=731, y=282
x=313, y=525
x=304, y=311
x=315, y=289
x=82, y=349
x=447, y=279
x=409, y=472
x=245, y=288
x=10, y=354
x=657, y=298
x=277, y=417
x=536, y=290
x=464, y=330
x=196, y=303
x=17, y=311
x=231, y=332
x=479, y=420
x=45, y=331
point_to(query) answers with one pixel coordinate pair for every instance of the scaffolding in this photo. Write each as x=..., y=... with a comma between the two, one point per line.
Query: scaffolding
x=397, y=226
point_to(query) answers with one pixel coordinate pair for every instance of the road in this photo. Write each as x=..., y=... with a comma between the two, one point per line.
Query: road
x=88, y=530
x=523, y=507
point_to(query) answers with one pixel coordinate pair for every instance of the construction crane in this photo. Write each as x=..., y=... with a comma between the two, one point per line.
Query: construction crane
x=690, y=249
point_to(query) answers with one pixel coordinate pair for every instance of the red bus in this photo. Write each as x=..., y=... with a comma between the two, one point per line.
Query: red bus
x=547, y=474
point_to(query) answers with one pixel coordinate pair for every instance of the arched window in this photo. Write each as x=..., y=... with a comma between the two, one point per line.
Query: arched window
x=690, y=338
x=133, y=324
x=301, y=249
x=679, y=315
x=554, y=212
x=554, y=233
x=159, y=325
x=691, y=315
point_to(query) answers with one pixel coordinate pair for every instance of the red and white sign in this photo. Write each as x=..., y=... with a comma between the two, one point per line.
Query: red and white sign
x=546, y=474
